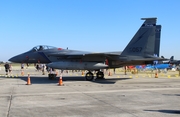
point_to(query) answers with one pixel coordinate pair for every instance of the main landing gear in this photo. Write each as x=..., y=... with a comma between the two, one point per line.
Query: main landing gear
x=90, y=76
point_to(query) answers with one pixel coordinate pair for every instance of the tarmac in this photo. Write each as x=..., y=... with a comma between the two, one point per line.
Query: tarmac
x=118, y=95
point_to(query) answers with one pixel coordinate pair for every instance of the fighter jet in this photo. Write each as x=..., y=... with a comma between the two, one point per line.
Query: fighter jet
x=140, y=50
x=172, y=61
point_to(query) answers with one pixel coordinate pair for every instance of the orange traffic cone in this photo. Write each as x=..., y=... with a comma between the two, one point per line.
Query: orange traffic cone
x=156, y=75
x=28, y=80
x=82, y=73
x=60, y=81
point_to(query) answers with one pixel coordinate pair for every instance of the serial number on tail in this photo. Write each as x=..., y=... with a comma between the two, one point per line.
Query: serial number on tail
x=135, y=49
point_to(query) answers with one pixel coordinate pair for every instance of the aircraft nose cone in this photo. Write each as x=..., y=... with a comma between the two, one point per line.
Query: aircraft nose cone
x=11, y=59
x=14, y=59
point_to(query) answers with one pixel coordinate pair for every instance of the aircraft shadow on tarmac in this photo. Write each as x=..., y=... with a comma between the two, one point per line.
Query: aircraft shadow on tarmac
x=166, y=111
x=46, y=80
x=171, y=94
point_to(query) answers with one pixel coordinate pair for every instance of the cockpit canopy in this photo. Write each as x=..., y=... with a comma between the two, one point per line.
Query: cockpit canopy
x=41, y=47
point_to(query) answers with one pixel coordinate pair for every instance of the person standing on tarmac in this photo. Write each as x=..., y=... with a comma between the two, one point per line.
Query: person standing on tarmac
x=22, y=66
x=6, y=68
x=10, y=68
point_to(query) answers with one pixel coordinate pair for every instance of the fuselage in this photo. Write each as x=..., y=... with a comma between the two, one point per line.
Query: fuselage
x=72, y=59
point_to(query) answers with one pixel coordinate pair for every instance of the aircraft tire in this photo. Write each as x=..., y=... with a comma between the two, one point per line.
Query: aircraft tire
x=100, y=75
x=89, y=76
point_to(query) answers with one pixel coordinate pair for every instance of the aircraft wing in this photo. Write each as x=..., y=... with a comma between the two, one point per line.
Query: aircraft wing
x=75, y=55
x=150, y=59
x=109, y=55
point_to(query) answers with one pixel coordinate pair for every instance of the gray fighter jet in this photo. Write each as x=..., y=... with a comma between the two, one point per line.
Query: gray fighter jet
x=172, y=61
x=140, y=50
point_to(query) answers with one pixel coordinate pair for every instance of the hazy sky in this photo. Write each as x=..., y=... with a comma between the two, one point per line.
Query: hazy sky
x=90, y=25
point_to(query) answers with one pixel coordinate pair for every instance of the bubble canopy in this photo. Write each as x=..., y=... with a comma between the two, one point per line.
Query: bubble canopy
x=42, y=47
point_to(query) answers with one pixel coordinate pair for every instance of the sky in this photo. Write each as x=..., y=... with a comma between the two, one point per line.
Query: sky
x=89, y=25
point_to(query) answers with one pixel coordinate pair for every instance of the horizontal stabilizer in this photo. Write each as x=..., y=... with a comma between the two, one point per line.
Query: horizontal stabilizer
x=152, y=18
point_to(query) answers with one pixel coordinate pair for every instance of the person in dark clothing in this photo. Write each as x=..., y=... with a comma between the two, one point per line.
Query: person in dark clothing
x=22, y=66
x=6, y=68
x=41, y=48
x=37, y=67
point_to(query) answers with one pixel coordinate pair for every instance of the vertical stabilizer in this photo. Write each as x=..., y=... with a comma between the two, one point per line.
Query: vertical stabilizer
x=172, y=58
x=157, y=41
x=142, y=43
